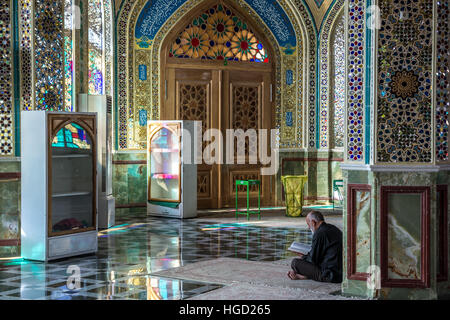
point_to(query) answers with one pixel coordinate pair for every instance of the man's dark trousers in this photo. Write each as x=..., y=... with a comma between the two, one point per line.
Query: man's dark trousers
x=307, y=269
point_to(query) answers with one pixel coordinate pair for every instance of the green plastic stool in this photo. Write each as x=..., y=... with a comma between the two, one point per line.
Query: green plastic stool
x=248, y=183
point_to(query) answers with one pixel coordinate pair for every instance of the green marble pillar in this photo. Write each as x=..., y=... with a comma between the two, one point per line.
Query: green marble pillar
x=392, y=232
x=9, y=208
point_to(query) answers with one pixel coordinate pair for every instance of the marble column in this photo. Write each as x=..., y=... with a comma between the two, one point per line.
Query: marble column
x=396, y=203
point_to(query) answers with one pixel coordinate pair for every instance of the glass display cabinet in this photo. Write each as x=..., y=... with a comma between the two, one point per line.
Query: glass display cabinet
x=58, y=187
x=172, y=173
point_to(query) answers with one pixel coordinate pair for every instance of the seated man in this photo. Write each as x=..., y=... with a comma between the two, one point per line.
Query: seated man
x=324, y=261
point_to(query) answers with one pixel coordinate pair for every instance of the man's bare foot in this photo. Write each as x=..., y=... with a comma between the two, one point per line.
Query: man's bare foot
x=295, y=276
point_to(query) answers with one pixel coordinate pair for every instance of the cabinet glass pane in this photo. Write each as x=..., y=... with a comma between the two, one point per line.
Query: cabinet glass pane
x=72, y=179
x=165, y=165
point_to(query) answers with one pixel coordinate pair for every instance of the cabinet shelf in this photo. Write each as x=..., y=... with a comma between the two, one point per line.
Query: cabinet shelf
x=164, y=176
x=163, y=150
x=64, y=156
x=71, y=194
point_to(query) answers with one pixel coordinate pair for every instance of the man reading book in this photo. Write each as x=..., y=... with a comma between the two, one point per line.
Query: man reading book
x=324, y=261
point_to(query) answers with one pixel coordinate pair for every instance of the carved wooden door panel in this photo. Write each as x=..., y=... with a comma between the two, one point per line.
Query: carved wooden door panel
x=246, y=106
x=192, y=94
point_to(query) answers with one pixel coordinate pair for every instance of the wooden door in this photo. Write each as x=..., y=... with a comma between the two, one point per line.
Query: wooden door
x=193, y=95
x=246, y=105
x=222, y=99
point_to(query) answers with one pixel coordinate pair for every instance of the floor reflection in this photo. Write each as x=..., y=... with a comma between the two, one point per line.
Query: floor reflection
x=138, y=246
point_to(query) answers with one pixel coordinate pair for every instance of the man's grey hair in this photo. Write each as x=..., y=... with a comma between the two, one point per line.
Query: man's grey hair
x=316, y=216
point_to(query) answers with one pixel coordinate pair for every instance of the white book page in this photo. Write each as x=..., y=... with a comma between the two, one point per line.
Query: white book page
x=300, y=247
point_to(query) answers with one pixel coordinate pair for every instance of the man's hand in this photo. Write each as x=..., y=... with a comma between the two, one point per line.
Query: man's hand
x=300, y=254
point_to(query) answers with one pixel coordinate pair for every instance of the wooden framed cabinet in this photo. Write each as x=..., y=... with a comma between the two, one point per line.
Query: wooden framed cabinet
x=59, y=184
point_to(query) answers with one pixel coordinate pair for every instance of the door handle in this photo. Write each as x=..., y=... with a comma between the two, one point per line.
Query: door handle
x=270, y=94
x=165, y=89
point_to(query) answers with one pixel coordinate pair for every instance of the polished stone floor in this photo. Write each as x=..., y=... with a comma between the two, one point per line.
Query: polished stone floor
x=139, y=245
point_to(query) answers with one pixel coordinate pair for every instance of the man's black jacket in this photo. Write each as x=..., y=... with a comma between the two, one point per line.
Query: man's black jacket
x=326, y=252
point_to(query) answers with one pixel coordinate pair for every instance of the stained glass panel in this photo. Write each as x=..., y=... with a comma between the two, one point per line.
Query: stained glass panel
x=96, y=74
x=72, y=136
x=218, y=34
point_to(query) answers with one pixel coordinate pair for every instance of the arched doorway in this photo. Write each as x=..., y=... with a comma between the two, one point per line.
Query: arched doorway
x=217, y=68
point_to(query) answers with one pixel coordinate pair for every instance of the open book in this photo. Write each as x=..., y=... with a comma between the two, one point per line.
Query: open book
x=300, y=247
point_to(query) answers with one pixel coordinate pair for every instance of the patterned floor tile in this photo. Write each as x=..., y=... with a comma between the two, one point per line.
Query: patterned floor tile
x=121, y=267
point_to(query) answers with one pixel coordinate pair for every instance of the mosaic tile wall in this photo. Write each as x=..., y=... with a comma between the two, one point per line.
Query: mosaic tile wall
x=405, y=54
x=46, y=60
x=133, y=104
x=310, y=91
x=293, y=79
x=82, y=56
x=319, y=10
x=49, y=55
x=6, y=83
x=332, y=30
x=26, y=54
x=142, y=98
x=122, y=75
x=355, y=84
x=137, y=134
x=46, y=55
x=68, y=56
x=108, y=26
x=337, y=86
x=48, y=35
x=96, y=47
x=442, y=79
